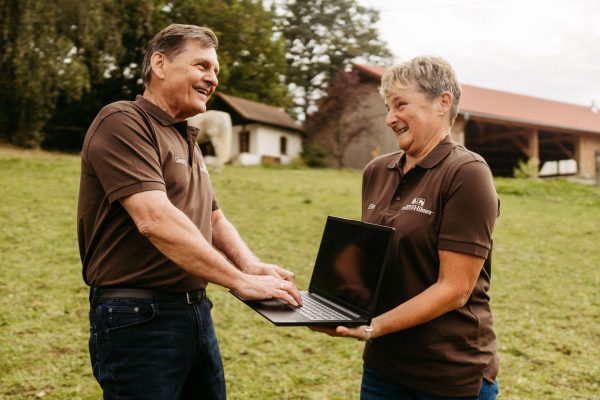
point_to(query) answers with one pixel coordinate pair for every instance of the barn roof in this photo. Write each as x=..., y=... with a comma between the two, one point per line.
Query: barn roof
x=506, y=106
x=252, y=111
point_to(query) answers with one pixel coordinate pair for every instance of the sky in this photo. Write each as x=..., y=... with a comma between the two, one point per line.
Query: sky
x=541, y=48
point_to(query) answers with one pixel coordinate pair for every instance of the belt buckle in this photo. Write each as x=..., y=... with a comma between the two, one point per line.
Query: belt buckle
x=187, y=296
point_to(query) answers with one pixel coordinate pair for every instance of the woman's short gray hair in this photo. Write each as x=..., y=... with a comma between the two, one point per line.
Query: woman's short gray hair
x=431, y=75
x=171, y=41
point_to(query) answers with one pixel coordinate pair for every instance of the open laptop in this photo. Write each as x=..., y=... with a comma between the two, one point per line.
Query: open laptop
x=345, y=281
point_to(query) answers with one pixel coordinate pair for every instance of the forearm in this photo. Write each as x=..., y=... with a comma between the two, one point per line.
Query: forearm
x=229, y=242
x=174, y=235
x=436, y=300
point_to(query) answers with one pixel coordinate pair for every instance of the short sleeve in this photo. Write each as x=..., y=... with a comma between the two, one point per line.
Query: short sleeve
x=124, y=156
x=470, y=211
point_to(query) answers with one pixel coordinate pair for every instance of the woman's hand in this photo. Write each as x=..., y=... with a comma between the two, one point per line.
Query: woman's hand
x=357, y=332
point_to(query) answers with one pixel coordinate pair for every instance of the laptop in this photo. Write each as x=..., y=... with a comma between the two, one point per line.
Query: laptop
x=345, y=282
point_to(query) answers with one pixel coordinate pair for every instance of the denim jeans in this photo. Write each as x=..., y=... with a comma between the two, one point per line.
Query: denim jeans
x=375, y=386
x=145, y=349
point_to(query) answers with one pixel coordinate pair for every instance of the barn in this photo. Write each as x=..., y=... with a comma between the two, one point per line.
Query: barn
x=503, y=127
x=261, y=133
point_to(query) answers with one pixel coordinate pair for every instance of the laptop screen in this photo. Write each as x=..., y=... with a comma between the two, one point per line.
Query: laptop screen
x=350, y=262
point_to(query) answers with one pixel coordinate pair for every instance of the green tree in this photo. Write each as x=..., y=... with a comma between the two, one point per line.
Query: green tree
x=37, y=64
x=111, y=38
x=323, y=37
x=252, y=61
x=61, y=61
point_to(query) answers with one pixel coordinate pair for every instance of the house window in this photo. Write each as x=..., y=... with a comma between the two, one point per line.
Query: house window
x=283, y=145
x=244, y=142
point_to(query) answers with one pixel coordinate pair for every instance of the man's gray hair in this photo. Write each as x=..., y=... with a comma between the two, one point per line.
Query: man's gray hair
x=431, y=75
x=172, y=40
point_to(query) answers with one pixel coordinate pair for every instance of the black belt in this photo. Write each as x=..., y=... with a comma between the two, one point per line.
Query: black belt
x=99, y=294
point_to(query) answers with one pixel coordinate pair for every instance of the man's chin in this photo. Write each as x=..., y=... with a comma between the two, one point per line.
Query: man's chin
x=198, y=109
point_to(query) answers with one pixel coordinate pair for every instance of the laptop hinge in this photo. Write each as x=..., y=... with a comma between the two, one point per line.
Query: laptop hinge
x=334, y=305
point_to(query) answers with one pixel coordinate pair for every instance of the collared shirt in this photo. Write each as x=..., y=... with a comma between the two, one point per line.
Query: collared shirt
x=133, y=147
x=446, y=202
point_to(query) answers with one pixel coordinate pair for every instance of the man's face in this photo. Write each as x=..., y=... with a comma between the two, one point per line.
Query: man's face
x=190, y=78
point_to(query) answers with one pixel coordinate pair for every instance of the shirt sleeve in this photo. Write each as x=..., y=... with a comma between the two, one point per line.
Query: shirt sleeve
x=470, y=211
x=124, y=156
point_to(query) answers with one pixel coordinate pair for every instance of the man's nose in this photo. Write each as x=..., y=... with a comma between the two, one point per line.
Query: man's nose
x=211, y=77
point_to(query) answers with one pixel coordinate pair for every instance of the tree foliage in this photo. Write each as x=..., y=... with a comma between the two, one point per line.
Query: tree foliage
x=38, y=63
x=323, y=37
x=63, y=60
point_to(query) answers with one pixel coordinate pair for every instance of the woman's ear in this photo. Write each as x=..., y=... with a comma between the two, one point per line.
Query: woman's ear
x=445, y=102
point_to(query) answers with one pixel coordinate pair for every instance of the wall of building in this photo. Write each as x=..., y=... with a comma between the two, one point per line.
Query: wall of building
x=265, y=141
x=375, y=140
x=589, y=144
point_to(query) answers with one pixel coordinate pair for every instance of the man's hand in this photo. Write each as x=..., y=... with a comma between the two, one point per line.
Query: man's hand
x=357, y=332
x=262, y=287
x=261, y=268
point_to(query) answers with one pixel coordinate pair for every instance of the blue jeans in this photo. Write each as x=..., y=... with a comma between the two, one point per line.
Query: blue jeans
x=145, y=349
x=375, y=386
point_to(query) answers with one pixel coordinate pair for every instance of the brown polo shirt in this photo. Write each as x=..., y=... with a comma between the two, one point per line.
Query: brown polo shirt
x=133, y=147
x=447, y=202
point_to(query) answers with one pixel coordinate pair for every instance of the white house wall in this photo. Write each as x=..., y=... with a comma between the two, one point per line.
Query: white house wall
x=264, y=141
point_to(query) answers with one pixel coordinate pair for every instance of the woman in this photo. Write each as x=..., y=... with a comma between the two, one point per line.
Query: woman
x=433, y=338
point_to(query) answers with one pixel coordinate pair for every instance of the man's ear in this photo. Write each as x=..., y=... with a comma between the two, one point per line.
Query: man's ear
x=158, y=63
x=445, y=102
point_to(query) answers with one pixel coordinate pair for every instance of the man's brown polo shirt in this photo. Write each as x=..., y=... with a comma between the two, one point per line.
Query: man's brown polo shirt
x=447, y=202
x=133, y=147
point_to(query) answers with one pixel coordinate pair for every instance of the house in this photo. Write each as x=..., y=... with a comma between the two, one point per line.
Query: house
x=260, y=132
x=502, y=127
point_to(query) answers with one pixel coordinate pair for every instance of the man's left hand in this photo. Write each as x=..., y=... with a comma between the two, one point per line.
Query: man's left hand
x=261, y=268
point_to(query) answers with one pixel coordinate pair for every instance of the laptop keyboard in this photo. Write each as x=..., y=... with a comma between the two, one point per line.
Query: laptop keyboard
x=314, y=310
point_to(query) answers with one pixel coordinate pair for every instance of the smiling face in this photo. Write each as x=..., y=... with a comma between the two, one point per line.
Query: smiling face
x=415, y=119
x=183, y=85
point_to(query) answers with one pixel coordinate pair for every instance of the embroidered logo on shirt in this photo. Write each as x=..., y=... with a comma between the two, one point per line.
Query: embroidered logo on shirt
x=417, y=204
x=180, y=160
x=371, y=206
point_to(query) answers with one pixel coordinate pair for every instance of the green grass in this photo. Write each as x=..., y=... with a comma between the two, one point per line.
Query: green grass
x=546, y=280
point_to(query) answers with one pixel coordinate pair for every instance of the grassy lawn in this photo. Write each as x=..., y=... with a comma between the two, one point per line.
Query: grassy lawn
x=546, y=280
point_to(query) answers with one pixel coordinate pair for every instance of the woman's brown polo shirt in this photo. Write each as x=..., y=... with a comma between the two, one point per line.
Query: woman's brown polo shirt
x=133, y=147
x=447, y=202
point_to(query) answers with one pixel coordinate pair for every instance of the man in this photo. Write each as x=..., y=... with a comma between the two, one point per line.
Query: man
x=151, y=234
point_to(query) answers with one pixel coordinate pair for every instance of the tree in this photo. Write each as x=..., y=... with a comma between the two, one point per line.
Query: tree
x=61, y=61
x=37, y=64
x=335, y=115
x=111, y=38
x=323, y=37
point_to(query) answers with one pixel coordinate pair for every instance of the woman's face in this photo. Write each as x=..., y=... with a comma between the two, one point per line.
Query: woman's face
x=414, y=118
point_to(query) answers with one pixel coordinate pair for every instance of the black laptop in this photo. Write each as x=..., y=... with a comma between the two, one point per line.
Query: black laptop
x=345, y=281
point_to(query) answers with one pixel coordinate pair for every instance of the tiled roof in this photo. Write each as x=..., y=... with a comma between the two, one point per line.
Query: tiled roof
x=514, y=107
x=259, y=112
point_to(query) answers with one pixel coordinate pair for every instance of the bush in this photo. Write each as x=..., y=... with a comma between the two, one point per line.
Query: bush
x=313, y=155
x=527, y=170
